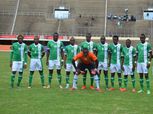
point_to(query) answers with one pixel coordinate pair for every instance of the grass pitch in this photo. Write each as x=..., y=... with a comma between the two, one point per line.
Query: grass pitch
x=63, y=101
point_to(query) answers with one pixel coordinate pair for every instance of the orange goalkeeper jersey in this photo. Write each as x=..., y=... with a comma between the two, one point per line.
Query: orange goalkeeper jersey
x=86, y=60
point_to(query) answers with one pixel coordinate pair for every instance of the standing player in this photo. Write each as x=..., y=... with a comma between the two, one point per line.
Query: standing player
x=70, y=51
x=91, y=47
x=144, y=56
x=54, y=54
x=115, y=50
x=36, y=53
x=102, y=55
x=128, y=63
x=87, y=60
x=18, y=59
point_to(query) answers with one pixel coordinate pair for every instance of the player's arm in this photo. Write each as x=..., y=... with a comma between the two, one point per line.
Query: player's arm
x=11, y=56
x=95, y=49
x=122, y=62
x=25, y=56
x=78, y=56
x=62, y=53
x=47, y=55
x=29, y=51
x=65, y=57
x=122, y=59
x=134, y=59
x=150, y=56
x=42, y=52
x=109, y=56
x=73, y=63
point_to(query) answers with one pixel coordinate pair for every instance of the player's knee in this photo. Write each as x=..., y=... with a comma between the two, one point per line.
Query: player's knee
x=93, y=72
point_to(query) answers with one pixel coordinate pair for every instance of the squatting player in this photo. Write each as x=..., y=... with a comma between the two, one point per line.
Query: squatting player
x=91, y=47
x=87, y=60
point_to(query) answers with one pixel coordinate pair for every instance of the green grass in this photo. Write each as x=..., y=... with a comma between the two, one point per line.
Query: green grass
x=62, y=101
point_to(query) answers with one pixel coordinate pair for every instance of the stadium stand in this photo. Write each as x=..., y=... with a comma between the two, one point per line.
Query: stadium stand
x=36, y=17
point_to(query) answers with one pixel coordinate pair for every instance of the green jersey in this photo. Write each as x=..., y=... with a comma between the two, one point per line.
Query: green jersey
x=115, y=51
x=128, y=54
x=36, y=51
x=70, y=52
x=18, y=52
x=55, y=49
x=90, y=45
x=143, y=52
x=102, y=50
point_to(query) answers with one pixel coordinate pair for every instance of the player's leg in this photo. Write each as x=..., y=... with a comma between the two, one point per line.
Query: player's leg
x=141, y=83
x=80, y=67
x=67, y=79
x=58, y=69
x=13, y=78
x=133, y=83
x=14, y=70
x=125, y=81
x=112, y=70
x=40, y=68
x=42, y=78
x=19, y=78
x=33, y=65
x=30, y=78
x=84, y=80
x=106, y=78
x=69, y=67
x=147, y=83
x=140, y=71
x=50, y=68
x=50, y=78
x=59, y=77
x=118, y=68
x=94, y=73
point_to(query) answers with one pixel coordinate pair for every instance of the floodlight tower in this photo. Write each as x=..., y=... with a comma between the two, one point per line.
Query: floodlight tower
x=148, y=16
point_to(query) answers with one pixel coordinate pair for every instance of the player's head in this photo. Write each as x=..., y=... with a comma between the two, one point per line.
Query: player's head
x=115, y=39
x=128, y=43
x=142, y=38
x=20, y=38
x=36, y=40
x=55, y=36
x=102, y=39
x=85, y=51
x=72, y=40
x=88, y=37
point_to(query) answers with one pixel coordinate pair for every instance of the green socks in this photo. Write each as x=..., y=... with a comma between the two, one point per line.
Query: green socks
x=49, y=79
x=19, y=79
x=30, y=80
x=133, y=82
x=148, y=84
x=12, y=80
x=112, y=81
x=106, y=81
x=42, y=80
x=125, y=82
x=120, y=82
x=59, y=77
x=84, y=80
x=67, y=79
x=92, y=80
x=141, y=84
